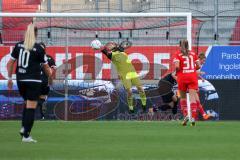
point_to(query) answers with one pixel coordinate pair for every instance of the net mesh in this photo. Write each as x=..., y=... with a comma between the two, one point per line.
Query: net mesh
x=152, y=31
x=93, y=89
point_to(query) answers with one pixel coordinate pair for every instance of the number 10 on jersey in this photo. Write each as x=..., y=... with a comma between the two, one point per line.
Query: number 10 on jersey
x=23, y=58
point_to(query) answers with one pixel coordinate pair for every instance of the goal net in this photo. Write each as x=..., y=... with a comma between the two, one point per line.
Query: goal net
x=86, y=84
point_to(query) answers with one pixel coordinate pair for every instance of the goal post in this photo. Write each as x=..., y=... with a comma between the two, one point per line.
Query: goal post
x=148, y=31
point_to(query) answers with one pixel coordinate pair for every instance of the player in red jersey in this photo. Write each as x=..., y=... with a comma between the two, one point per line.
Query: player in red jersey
x=186, y=64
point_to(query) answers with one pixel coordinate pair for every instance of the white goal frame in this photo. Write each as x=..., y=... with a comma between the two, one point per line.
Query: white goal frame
x=188, y=15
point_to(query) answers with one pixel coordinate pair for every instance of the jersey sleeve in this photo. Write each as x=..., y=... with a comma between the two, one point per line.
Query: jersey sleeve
x=176, y=58
x=42, y=56
x=51, y=61
x=14, y=54
x=107, y=53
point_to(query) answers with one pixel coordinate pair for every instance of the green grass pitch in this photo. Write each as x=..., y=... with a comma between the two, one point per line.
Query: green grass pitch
x=122, y=140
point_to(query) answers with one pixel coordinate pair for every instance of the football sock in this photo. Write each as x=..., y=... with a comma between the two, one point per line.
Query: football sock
x=23, y=114
x=200, y=108
x=176, y=103
x=40, y=104
x=130, y=102
x=143, y=98
x=175, y=108
x=28, y=121
x=194, y=110
x=183, y=104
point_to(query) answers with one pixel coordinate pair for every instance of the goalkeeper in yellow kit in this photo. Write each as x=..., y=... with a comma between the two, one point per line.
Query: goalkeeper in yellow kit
x=125, y=70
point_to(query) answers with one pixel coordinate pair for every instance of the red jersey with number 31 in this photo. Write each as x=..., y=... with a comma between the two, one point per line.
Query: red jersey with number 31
x=187, y=63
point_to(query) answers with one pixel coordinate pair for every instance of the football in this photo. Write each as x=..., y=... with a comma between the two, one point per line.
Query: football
x=96, y=44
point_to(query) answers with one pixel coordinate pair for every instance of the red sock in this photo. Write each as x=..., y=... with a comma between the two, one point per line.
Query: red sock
x=194, y=110
x=200, y=108
x=183, y=104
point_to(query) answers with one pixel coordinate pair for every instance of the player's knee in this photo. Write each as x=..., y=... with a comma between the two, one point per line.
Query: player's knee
x=31, y=104
x=171, y=104
x=192, y=91
x=183, y=95
x=174, y=98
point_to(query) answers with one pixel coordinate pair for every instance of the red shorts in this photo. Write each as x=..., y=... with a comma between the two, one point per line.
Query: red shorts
x=187, y=82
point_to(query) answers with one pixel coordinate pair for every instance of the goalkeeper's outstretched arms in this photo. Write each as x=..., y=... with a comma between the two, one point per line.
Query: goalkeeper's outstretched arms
x=112, y=47
x=108, y=48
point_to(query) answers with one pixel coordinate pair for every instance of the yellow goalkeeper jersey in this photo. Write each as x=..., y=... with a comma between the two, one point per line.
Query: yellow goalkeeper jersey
x=124, y=65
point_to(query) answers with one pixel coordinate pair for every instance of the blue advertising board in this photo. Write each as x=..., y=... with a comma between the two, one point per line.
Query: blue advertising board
x=223, y=62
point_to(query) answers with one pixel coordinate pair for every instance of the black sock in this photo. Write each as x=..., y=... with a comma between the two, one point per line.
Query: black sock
x=174, y=109
x=176, y=103
x=28, y=121
x=23, y=114
x=40, y=104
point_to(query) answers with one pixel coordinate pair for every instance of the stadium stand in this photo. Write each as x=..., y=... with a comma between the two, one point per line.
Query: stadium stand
x=219, y=19
x=12, y=34
x=235, y=39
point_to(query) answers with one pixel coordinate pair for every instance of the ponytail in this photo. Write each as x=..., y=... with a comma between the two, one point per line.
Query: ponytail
x=30, y=37
x=184, y=47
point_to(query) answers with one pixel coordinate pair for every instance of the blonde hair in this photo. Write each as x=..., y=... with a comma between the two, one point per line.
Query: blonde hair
x=30, y=37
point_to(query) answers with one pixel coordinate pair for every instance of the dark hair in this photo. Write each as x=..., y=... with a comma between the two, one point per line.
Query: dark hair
x=42, y=45
x=111, y=46
x=202, y=55
x=184, y=47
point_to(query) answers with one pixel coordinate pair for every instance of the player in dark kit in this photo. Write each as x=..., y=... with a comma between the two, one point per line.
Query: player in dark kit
x=28, y=55
x=45, y=83
x=170, y=99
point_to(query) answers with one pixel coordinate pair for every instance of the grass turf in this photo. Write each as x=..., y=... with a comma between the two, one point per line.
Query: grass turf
x=128, y=140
